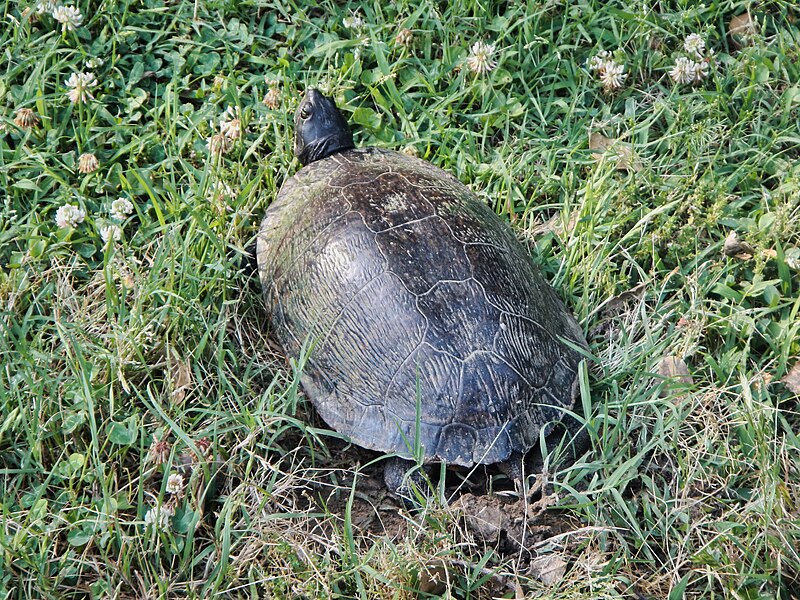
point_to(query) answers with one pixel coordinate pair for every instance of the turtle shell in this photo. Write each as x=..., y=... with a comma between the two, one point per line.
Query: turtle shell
x=418, y=316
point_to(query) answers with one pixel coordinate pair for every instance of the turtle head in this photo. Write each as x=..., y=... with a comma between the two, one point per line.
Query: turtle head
x=319, y=128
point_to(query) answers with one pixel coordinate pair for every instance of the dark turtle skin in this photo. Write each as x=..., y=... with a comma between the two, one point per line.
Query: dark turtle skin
x=421, y=318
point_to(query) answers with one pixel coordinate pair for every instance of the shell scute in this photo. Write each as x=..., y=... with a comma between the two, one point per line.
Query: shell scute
x=422, y=254
x=459, y=306
x=430, y=372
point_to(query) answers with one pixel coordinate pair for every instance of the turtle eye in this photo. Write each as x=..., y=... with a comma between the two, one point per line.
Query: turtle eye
x=305, y=112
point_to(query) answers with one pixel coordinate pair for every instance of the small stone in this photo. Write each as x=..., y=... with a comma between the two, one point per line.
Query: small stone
x=484, y=519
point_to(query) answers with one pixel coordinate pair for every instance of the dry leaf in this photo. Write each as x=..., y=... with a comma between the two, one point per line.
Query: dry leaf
x=180, y=375
x=742, y=26
x=792, y=379
x=548, y=569
x=555, y=225
x=674, y=372
x=614, y=307
x=626, y=160
x=621, y=300
x=736, y=247
x=599, y=142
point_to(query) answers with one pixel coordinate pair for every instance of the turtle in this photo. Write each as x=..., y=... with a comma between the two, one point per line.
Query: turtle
x=422, y=325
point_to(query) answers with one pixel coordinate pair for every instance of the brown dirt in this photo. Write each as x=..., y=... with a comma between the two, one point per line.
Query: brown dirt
x=483, y=500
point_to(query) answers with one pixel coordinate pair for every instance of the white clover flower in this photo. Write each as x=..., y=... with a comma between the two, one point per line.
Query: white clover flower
x=151, y=516
x=595, y=63
x=273, y=98
x=95, y=62
x=159, y=450
x=69, y=17
x=45, y=6
x=230, y=113
x=69, y=215
x=683, y=71
x=218, y=83
x=120, y=209
x=404, y=37
x=694, y=44
x=598, y=61
x=354, y=21
x=79, y=85
x=612, y=75
x=159, y=517
x=110, y=232
x=175, y=484
x=480, y=59
x=689, y=71
x=231, y=124
x=698, y=70
x=88, y=163
x=25, y=118
x=219, y=144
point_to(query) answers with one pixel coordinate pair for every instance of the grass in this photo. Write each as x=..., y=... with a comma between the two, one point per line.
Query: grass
x=107, y=348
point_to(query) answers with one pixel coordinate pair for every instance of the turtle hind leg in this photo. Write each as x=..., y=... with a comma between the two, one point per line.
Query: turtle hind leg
x=514, y=468
x=407, y=479
x=568, y=440
x=247, y=265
